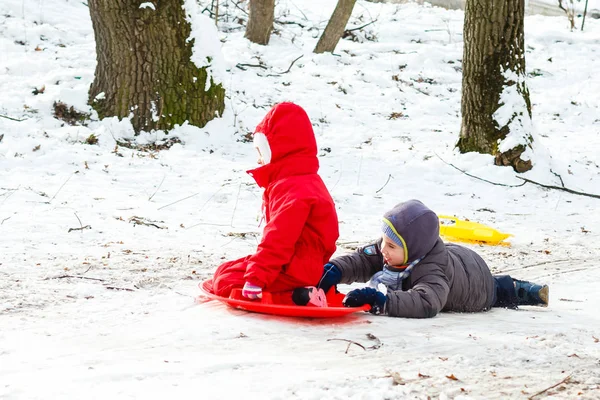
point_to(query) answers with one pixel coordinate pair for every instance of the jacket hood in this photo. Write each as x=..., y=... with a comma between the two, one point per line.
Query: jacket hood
x=415, y=226
x=292, y=143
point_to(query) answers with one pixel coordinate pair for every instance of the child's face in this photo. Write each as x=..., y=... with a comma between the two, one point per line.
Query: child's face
x=392, y=253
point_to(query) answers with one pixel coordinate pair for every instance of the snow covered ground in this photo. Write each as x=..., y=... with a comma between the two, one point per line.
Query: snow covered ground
x=110, y=311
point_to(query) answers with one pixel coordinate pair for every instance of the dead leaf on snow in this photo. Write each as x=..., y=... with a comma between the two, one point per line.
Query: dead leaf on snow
x=452, y=377
x=396, y=378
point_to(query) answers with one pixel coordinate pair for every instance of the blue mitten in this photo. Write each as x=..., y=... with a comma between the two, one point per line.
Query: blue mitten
x=331, y=277
x=370, y=296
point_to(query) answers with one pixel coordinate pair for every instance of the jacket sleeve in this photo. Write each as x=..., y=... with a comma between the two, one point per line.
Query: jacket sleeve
x=425, y=299
x=361, y=265
x=276, y=249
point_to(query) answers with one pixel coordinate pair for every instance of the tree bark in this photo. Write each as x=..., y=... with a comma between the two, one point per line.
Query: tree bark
x=335, y=27
x=260, y=21
x=494, y=60
x=144, y=70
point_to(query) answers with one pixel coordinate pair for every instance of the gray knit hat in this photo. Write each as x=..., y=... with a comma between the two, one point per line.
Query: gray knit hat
x=412, y=226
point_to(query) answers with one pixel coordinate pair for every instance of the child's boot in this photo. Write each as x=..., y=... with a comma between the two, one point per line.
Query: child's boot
x=309, y=296
x=530, y=294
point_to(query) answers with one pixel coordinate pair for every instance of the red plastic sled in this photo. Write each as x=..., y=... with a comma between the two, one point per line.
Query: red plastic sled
x=266, y=305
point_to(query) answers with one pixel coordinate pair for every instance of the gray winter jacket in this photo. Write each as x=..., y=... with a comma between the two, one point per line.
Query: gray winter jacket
x=449, y=278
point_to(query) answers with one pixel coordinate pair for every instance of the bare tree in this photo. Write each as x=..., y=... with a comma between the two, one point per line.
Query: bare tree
x=495, y=98
x=144, y=66
x=260, y=21
x=335, y=27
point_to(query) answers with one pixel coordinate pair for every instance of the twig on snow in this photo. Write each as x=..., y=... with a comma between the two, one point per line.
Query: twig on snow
x=175, y=202
x=566, y=380
x=5, y=219
x=118, y=288
x=385, y=184
x=290, y=23
x=159, y=185
x=59, y=189
x=75, y=276
x=370, y=336
x=240, y=66
x=350, y=342
x=12, y=119
x=140, y=221
x=289, y=68
x=360, y=27
x=236, y=203
x=559, y=177
x=12, y=191
x=476, y=177
x=560, y=188
x=79, y=229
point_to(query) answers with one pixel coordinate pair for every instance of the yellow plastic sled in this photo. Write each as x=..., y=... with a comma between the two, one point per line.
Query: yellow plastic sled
x=454, y=229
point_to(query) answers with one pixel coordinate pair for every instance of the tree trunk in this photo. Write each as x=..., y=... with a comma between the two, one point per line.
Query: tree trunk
x=335, y=27
x=144, y=69
x=495, y=98
x=260, y=21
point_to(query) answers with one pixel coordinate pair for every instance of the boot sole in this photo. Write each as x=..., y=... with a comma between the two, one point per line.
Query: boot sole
x=544, y=295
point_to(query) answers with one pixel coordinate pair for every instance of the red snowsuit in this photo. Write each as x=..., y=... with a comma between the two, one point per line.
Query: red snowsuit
x=301, y=221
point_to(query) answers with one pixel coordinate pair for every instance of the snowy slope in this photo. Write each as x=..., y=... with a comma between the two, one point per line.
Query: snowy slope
x=129, y=326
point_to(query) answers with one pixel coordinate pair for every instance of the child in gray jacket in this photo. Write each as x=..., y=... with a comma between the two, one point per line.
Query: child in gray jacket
x=412, y=273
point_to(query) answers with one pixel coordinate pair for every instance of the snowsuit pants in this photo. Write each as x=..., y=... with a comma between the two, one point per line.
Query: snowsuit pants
x=505, y=292
x=230, y=275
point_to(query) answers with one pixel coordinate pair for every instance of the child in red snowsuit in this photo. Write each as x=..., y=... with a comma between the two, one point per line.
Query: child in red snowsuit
x=301, y=221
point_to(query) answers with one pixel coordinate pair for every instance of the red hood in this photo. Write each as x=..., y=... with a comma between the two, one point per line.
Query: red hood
x=292, y=141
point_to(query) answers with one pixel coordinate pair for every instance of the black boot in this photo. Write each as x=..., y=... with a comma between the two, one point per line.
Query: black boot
x=530, y=294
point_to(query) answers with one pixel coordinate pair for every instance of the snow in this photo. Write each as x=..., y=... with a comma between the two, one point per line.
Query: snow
x=513, y=113
x=147, y=4
x=206, y=51
x=386, y=114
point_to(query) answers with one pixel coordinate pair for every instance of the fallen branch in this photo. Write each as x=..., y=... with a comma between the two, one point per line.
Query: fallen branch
x=476, y=177
x=12, y=119
x=566, y=380
x=560, y=188
x=75, y=276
